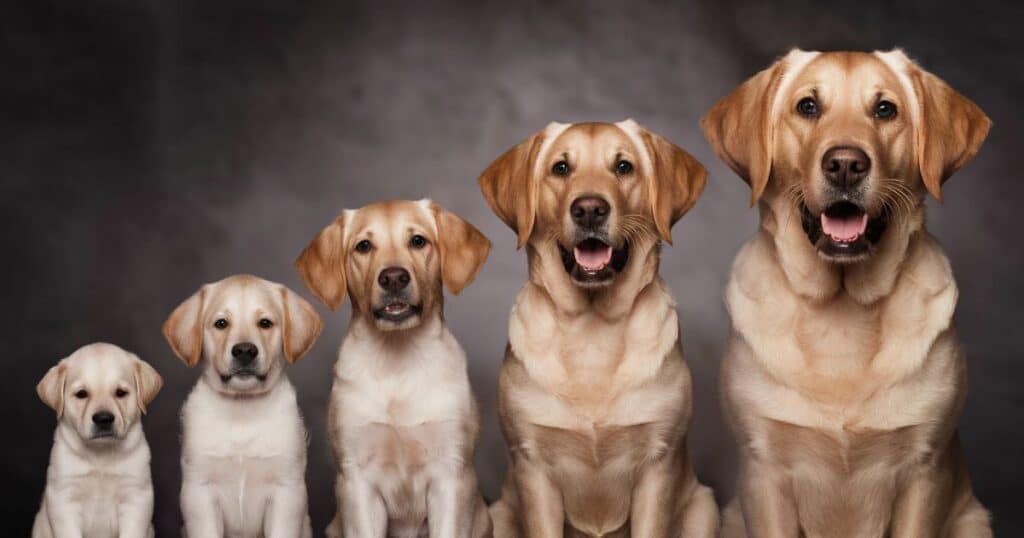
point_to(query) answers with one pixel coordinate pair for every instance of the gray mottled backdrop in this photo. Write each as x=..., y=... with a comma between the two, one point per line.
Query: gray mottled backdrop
x=149, y=148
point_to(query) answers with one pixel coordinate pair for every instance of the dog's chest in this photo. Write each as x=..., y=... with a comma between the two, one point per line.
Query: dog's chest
x=98, y=496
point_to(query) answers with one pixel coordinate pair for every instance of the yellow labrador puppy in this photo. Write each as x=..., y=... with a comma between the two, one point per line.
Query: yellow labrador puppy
x=843, y=378
x=594, y=395
x=98, y=483
x=243, y=458
x=402, y=418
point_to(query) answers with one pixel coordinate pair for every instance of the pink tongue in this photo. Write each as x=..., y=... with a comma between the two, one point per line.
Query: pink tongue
x=593, y=259
x=844, y=228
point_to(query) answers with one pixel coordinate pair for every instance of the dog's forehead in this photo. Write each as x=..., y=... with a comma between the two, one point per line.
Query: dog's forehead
x=392, y=220
x=592, y=140
x=860, y=73
x=99, y=365
x=242, y=294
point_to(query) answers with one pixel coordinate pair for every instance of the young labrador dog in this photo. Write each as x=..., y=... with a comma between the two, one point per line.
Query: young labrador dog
x=843, y=379
x=98, y=483
x=402, y=419
x=594, y=394
x=243, y=457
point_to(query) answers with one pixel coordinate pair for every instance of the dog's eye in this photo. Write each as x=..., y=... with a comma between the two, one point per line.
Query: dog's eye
x=808, y=107
x=561, y=168
x=418, y=241
x=265, y=323
x=221, y=323
x=364, y=246
x=623, y=167
x=81, y=394
x=885, y=110
x=120, y=393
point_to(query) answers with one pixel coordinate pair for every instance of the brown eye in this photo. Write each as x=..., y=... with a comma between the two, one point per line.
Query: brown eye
x=418, y=241
x=808, y=108
x=623, y=167
x=120, y=393
x=221, y=324
x=265, y=323
x=885, y=110
x=81, y=394
x=364, y=246
x=561, y=168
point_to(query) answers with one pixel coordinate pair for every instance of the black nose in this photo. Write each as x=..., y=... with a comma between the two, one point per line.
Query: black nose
x=244, y=353
x=103, y=418
x=393, y=279
x=589, y=211
x=845, y=166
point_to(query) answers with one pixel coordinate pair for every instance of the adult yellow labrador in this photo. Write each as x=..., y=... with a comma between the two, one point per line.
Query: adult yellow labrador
x=843, y=379
x=594, y=395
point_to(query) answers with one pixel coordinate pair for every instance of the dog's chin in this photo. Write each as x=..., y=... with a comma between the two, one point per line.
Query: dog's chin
x=103, y=437
x=594, y=262
x=844, y=232
x=243, y=380
x=397, y=315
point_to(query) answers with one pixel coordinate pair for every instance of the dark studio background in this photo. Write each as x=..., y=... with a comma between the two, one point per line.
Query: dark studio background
x=147, y=148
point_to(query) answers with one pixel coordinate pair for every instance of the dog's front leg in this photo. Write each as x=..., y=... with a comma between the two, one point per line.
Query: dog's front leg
x=542, y=513
x=286, y=513
x=135, y=515
x=767, y=501
x=63, y=513
x=450, y=504
x=920, y=508
x=651, y=510
x=360, y=506
x=200, y=510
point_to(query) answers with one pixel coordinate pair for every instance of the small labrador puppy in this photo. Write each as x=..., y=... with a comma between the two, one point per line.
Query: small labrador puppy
x=98, y=483
x=844, y=378
x=594, y=394
x=244, y=445
x=402, y=419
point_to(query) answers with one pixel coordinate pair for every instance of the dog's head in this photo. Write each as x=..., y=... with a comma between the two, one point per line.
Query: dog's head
x=246, y=328
x=392, y=258
x=850, y=140
x=593, y=194
x=100, y=390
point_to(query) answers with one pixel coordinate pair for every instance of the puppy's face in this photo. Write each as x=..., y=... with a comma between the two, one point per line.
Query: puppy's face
x=391, y=258
x=593, y=193
x=246, y=328
x=100, y=391
x=849, y=140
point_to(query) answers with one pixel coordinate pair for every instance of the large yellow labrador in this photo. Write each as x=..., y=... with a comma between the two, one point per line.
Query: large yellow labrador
x=843, y=379
x=594, y=395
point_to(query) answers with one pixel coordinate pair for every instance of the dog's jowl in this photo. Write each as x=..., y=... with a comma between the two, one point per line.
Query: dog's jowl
x=843, y=379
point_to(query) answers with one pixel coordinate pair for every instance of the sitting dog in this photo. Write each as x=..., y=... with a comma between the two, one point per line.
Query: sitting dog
x=243, y=457
x=402, y=419
x=98, y=483
x=843, y=379
x=594, y=395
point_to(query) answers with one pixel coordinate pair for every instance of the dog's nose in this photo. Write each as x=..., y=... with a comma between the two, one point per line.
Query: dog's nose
x=103, y=418
x=845, y=166
x=393, y=279
x=244, y=353
x=589, y=211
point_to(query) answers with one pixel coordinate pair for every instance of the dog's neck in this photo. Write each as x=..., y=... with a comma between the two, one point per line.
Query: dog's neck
x=364, y=335
x=818, y=280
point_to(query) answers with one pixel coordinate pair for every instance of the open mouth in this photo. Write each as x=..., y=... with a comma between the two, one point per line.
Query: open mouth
x=397, y=311
x=593, y=261
x=843, y=231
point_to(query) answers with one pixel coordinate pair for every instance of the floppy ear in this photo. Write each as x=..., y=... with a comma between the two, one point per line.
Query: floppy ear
x=674, y=184
x=322, y=264
x=462, y=247
x=147, y=384
x=949, y=131
x=184, y=328
x=739, y=126
x=301, y=325
x=510, y=189
x=51, y=388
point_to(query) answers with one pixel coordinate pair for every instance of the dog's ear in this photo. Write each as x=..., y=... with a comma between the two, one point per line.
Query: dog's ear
x=147, y=383
x=510, y=188
x=184, y=328
x=673, y=184
x=51, y=388
x=322, y=264
x=463, y=249
x=740, y=128
x=949, y=130
x=301, y=325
